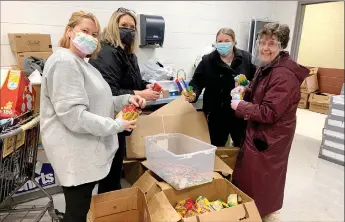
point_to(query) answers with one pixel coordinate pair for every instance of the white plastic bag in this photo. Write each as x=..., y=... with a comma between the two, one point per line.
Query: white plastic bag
x=35, y=77
x=151, y=71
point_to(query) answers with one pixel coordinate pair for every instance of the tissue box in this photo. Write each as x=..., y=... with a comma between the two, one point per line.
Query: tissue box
x=17, y=95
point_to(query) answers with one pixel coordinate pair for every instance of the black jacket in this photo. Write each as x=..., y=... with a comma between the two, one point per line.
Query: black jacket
x=218, y=78
x=119, y=69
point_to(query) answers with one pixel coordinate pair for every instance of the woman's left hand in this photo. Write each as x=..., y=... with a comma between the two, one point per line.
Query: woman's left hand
x=234, y=104
x=149, y=86
x=138, y=101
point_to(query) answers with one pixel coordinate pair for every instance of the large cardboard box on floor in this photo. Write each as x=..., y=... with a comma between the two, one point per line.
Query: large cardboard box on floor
x=177, y=116
x=21, y=56
x=128, y=205
x=319, y=102
x=30, y=42
x=304, y=102
x=162, y=199
x=228, y=155
x=310, y=84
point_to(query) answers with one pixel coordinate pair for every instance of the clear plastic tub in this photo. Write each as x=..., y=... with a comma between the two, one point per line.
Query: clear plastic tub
x=180, y=160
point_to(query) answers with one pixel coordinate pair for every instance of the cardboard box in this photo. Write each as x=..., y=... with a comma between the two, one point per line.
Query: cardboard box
x=127, y=205
x=304, y=103
x=319, y=102
x=310, y=84
x=37, y=88
x=17, y=95
x=133, y=170
x=12, y=143
x=162, y=199
x=177, y=116
x=228, y=155
x=21, y=56
x=30, y=42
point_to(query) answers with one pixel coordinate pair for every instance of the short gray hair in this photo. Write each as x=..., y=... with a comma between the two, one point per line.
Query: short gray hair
x=281, y=31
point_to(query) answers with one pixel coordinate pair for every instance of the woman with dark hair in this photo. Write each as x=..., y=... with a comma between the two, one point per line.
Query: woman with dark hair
x=118, y=65
x=215, y=73
x=269, y=107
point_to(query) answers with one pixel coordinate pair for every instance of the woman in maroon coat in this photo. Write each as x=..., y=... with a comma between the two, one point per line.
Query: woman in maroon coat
x=269, y=106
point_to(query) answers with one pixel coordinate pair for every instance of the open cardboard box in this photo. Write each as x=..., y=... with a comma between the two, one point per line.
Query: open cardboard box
x=311, y=83
x=177, y=116
x=228, y=155
x=127, y=205
x=162, y=199
x=134, y=169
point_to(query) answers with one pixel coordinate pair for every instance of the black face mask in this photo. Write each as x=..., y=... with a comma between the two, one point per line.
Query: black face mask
x=127, y=36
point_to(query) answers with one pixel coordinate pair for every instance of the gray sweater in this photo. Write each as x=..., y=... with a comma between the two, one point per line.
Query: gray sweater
x=79, y=133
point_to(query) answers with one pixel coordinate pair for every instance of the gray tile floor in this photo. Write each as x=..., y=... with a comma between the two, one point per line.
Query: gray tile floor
x=314, y=188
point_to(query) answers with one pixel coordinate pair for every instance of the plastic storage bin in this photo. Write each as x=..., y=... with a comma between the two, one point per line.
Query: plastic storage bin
x=180, y=160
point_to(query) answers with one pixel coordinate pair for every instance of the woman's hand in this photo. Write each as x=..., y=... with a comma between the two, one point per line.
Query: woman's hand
x=149, y=86
x=189, y=98
x=138, y=101
x=234, y=104
x=128, y=125
x=239, y=89
x=149, y=94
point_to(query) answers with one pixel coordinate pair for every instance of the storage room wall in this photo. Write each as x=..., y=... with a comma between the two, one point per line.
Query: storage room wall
x=190, y=26
x=322, y=39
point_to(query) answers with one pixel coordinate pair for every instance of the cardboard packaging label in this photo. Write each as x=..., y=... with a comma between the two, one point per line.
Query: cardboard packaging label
x=310, y=84
x=12, y=143
x=177, y=116
x=319, y=102
x=17, y=95
x=304, y=103
x=21, y=56
x=30, y=42
x=128, y=205
x=163, y=198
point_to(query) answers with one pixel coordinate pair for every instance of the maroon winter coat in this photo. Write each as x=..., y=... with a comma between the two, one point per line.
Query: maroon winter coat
x=270, y=107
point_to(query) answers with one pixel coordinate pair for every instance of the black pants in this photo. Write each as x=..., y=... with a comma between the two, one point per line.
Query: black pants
x=222, y=124
x=78, y=198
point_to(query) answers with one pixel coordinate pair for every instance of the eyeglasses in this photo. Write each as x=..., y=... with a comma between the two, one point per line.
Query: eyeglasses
x=124, y=10
x=269, y=44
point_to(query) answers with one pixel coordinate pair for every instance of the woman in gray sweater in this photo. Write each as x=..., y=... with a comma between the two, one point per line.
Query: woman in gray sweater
x=78, y=129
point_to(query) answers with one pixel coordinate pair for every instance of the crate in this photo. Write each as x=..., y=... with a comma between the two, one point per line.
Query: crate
x=180, y=160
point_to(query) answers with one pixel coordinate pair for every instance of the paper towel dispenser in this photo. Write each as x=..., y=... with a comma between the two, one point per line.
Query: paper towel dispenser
x=151, y=30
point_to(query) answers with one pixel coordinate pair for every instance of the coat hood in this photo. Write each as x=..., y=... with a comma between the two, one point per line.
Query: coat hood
x=286, y=61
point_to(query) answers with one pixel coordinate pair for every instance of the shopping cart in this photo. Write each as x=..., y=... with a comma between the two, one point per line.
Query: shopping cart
x=19, y=139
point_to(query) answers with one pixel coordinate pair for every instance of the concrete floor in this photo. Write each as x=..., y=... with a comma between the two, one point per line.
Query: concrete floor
x=314, y=188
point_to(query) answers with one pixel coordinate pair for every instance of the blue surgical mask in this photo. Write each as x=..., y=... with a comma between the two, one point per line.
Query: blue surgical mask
x=224, y=48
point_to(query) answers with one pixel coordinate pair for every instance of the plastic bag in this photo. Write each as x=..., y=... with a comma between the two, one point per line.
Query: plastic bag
x=151, y=71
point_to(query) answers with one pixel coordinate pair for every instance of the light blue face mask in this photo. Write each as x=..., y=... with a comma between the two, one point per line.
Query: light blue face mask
x=224, y=48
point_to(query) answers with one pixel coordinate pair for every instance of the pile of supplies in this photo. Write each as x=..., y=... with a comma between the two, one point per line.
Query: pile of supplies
x=187, y=208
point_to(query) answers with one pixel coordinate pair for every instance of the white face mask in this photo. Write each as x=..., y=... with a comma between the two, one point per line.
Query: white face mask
x=84, y=43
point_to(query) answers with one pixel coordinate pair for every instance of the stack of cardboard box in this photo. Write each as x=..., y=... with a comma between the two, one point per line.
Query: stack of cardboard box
x=309, y=85
x=29, y=44
x=332, y=148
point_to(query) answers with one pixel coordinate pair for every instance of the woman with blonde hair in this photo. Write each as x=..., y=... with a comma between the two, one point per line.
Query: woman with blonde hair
x=79, y=133
x=118, y=64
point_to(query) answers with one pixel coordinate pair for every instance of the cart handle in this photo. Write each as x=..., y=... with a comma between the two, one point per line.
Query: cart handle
x=22, y=128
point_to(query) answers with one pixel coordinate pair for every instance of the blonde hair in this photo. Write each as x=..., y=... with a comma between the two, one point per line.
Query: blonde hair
x=229, y=32
x=75, y=20
x=111, y=33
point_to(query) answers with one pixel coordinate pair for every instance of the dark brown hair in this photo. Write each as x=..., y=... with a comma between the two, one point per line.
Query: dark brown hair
x=282, y=32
